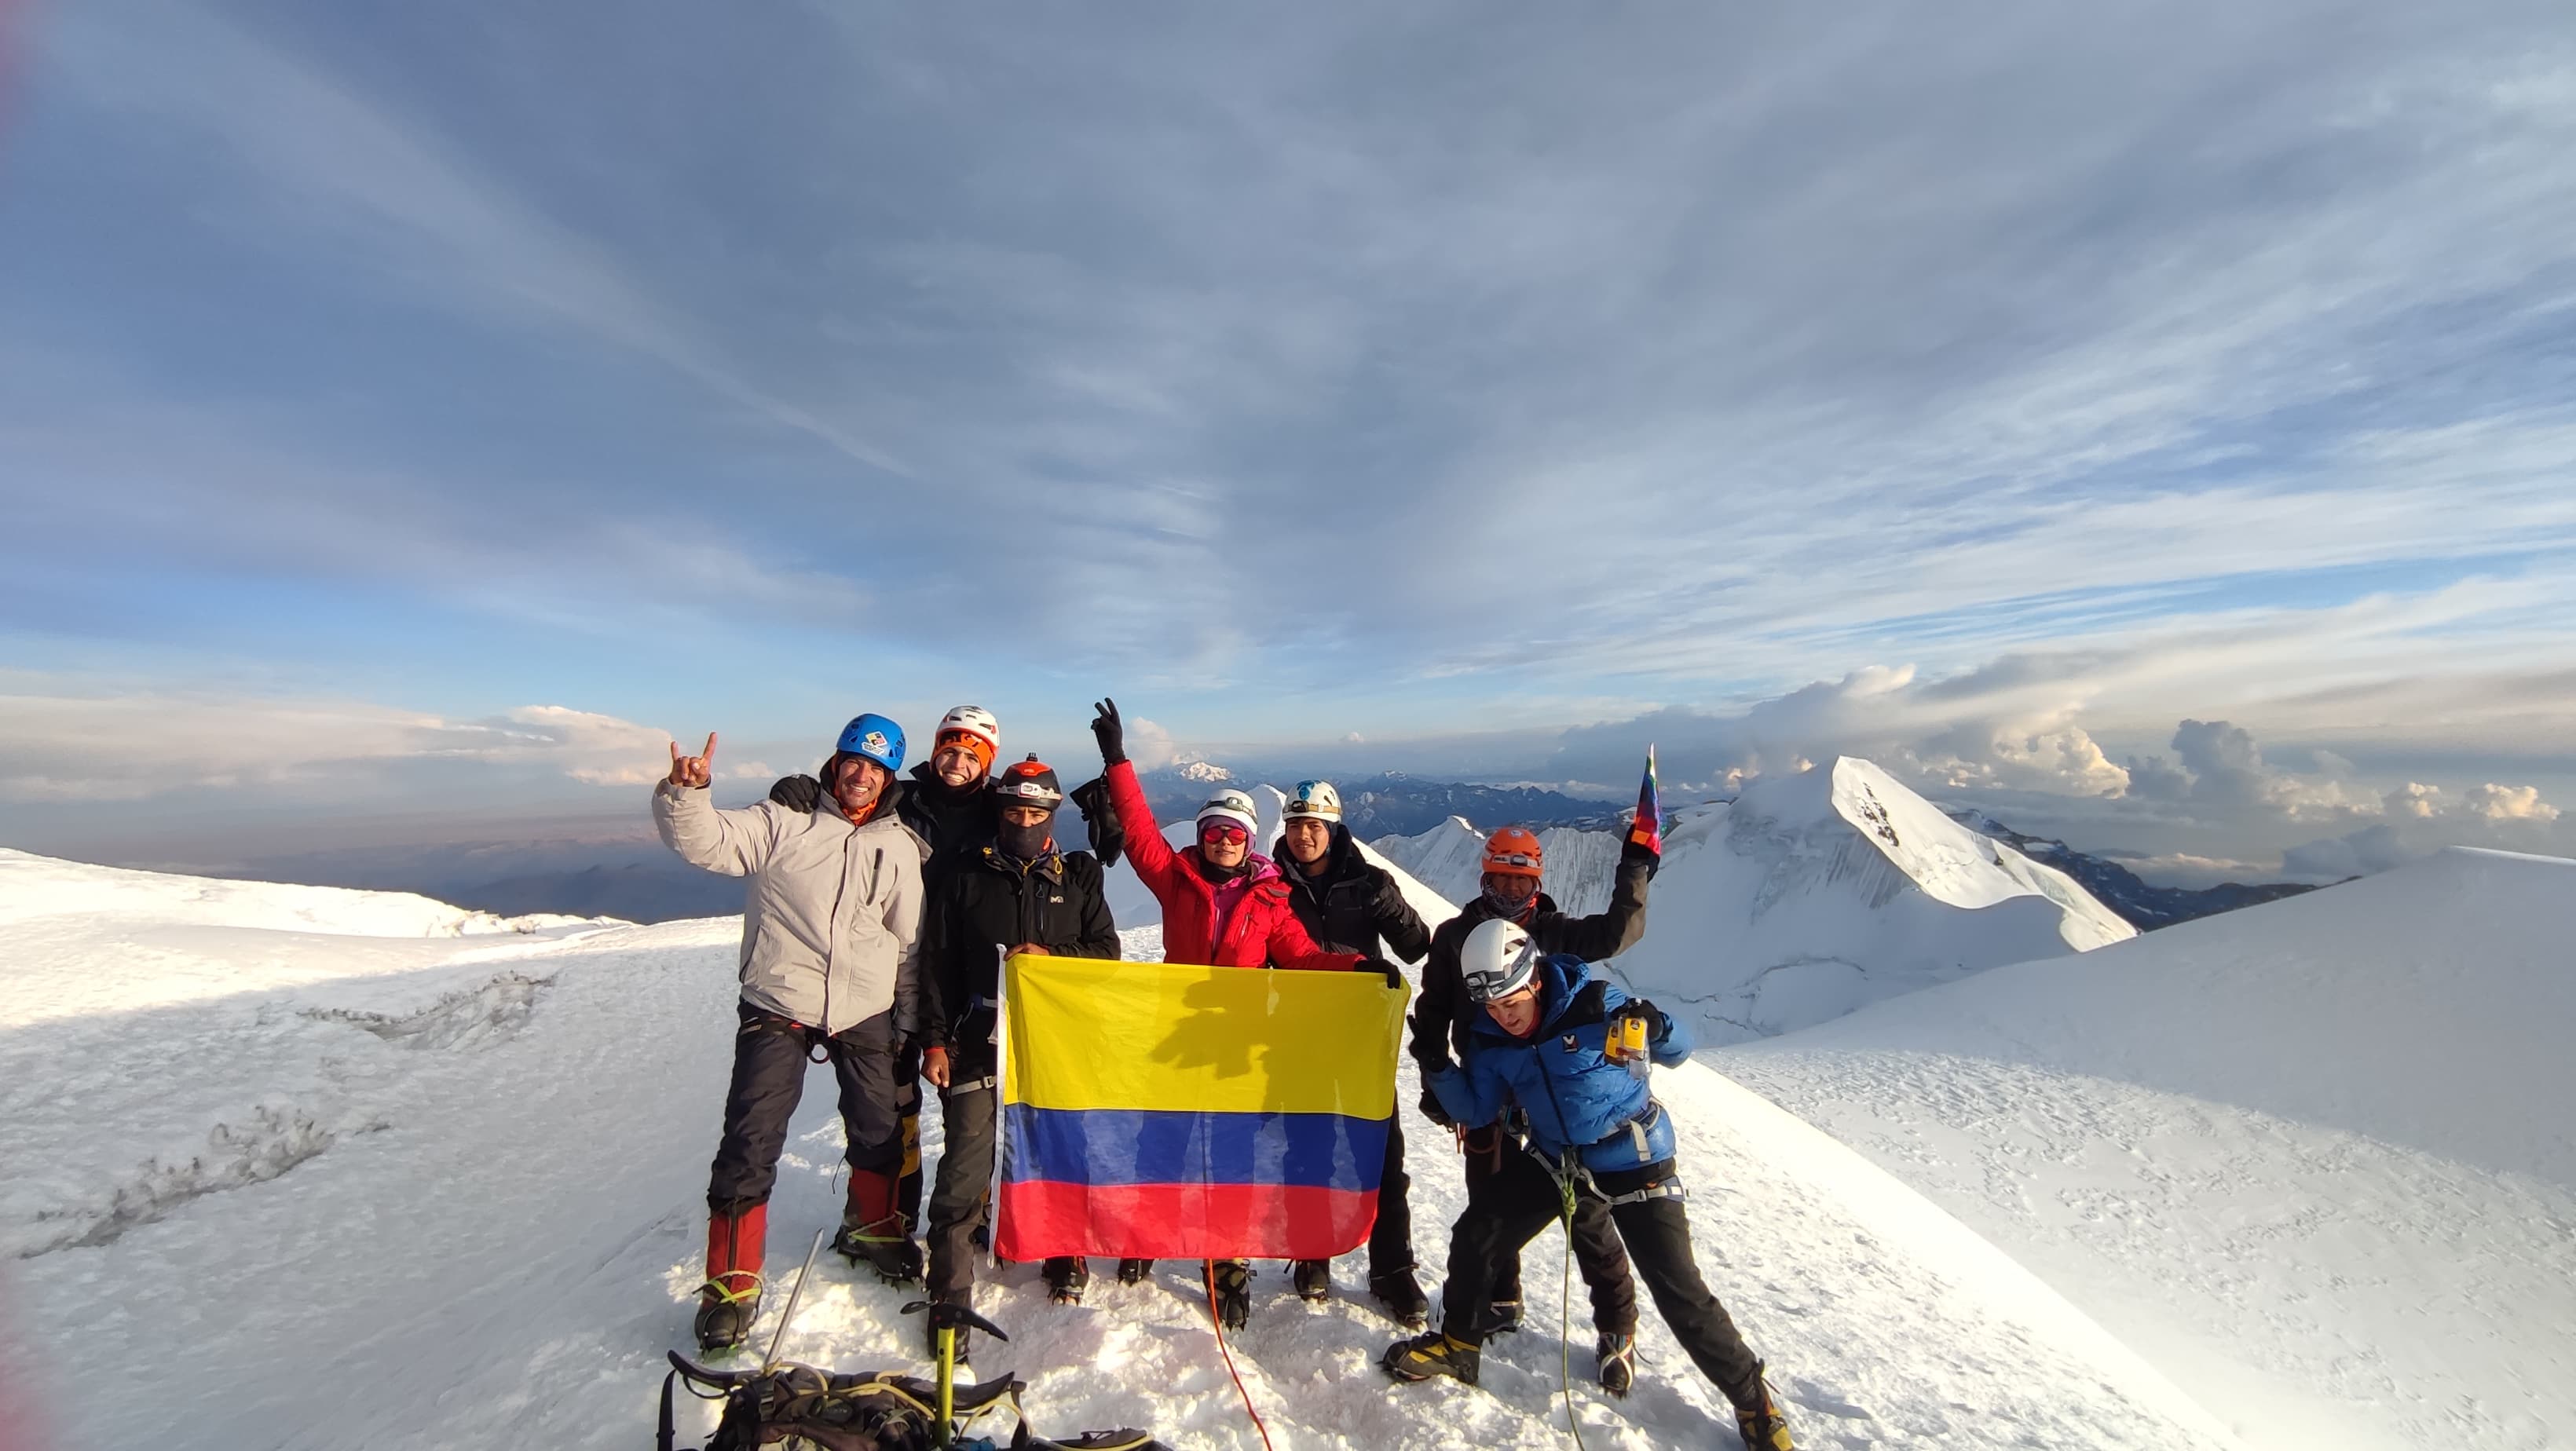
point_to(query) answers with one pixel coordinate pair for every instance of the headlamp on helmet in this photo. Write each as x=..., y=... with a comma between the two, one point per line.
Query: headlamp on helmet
x=1498, y=959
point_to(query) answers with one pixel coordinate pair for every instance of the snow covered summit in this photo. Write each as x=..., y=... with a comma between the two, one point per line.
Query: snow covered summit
x=467, y=1173
x=1806, y=897
x=2314, y=1158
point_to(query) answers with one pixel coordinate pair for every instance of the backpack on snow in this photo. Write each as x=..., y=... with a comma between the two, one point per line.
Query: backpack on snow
x=802, y=1408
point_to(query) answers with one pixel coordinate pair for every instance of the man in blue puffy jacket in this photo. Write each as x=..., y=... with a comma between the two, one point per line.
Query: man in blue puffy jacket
x=1544, y=1046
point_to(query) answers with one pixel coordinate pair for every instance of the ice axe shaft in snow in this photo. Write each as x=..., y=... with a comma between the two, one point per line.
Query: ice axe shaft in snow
x=778, y=1336
x=947, y=1317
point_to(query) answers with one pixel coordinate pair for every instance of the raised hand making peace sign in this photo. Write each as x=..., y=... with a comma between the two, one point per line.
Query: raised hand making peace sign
x=693, y=772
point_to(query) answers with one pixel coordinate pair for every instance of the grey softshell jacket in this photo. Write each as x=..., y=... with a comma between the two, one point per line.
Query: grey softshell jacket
x=832, y=916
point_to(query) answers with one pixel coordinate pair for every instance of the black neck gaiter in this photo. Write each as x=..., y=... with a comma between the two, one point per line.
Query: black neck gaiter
x=1025, y=843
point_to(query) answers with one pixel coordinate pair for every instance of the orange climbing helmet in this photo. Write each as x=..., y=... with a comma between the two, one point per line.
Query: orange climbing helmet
x=1513, y=852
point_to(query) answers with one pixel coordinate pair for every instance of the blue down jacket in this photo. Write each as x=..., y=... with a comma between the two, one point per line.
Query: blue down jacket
x=1572, y=1092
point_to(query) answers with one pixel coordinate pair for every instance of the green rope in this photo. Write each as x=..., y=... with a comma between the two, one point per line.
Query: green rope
x=1565, y=1302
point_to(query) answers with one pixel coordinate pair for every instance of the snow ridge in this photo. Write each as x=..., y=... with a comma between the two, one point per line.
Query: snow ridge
x=2304, y=1156
x=1806, y=897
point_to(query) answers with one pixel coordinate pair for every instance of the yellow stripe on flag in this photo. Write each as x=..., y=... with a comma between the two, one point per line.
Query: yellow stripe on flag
x=1086, y=1034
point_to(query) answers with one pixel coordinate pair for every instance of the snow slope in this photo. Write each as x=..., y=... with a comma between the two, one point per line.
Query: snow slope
x=499, y=1238
x=2315, y=1159
x=1808, y=896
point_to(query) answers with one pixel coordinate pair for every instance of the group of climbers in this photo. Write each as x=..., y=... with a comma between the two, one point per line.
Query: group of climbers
x=878, y=913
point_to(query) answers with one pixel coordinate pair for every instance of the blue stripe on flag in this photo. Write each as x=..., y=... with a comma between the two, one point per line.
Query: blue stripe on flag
x=1104, y=1146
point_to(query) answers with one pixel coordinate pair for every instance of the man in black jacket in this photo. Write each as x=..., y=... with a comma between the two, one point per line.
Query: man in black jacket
x=1012, y=892
x=1442, y=1016
x=1349, y=904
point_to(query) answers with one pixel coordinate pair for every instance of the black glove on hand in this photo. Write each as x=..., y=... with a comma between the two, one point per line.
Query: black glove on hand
x=1107, y=729
x=1100, y=820
x=1657, y=1025
x=1393, y=974
x=1633, y=852
x=1432, y=1110
x=797, y=793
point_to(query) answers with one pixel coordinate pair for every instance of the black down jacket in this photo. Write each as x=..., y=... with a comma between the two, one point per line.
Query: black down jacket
x=1442, y=1014
x=983, y=900
x=1353, y=904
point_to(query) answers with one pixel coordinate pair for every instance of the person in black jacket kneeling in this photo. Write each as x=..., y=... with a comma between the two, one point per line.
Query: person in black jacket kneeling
x=1349, y=904
x=1011, y=893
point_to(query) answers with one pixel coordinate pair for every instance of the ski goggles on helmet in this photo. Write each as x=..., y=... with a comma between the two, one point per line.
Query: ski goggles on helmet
x=1215, y=830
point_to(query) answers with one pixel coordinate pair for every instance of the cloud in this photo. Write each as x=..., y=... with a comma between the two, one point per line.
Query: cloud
x=2356, y=854
x=2508, y=803
x=69, y=748
x=2189, y=869
x=2415, y=799
x=2193, y=263
x=2421, y=818
x=1934, y=731
x=2221, y=766
x=1150, y=746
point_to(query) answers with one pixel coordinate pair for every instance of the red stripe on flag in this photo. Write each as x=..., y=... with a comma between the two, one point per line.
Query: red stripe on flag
x=1044, y=1217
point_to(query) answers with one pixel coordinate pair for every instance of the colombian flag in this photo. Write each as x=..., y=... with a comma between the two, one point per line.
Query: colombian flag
x=1160, y=1111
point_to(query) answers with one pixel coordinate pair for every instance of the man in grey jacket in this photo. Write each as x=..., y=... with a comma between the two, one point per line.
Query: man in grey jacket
x=829, y=925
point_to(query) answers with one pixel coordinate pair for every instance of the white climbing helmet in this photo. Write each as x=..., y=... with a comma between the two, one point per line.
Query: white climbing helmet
x=1314, y=798
x=975, y=721
x=1498, y=960
x=1232, y=805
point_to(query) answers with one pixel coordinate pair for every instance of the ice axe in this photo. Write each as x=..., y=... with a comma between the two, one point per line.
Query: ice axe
x=947, y=1317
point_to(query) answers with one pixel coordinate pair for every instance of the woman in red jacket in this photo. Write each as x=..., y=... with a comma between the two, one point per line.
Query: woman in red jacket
x=1224, y=905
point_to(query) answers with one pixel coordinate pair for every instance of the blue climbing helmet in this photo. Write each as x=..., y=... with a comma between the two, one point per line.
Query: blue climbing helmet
x=875, y=737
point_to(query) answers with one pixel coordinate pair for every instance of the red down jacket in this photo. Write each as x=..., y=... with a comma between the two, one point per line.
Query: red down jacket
x=1246, y=923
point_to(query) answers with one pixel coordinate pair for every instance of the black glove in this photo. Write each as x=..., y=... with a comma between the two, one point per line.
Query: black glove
x=1657, y=1025
x=1632, y=853
x=1393, y=974
x=1432, y=1110
x=1107, y=729
x=1100, y=819
x=797, y=793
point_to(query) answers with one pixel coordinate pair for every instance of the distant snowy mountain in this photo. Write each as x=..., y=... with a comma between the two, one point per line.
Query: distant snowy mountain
x=1806, y=897
x=2123, y=891
x=2314, y=1158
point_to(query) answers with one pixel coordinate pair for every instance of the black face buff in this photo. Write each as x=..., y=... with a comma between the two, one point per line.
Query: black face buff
x=1027, y=843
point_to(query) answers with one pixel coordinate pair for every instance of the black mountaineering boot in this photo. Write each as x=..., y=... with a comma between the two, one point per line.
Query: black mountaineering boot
x=1617, y=1357
x=1314, y=1280
x=730, y=1299
x=1234, y=1293
x=1503, y=1319
x=872, y=1230
x=1430, y=1354
x=1402, y=1296
x=1067, y=1276
x=1133, y=1272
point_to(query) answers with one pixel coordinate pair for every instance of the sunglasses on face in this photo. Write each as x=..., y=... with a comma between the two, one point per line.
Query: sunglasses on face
x=1223, y=831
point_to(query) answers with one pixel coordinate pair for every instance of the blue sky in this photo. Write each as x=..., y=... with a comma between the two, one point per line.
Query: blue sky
x=434, y=406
